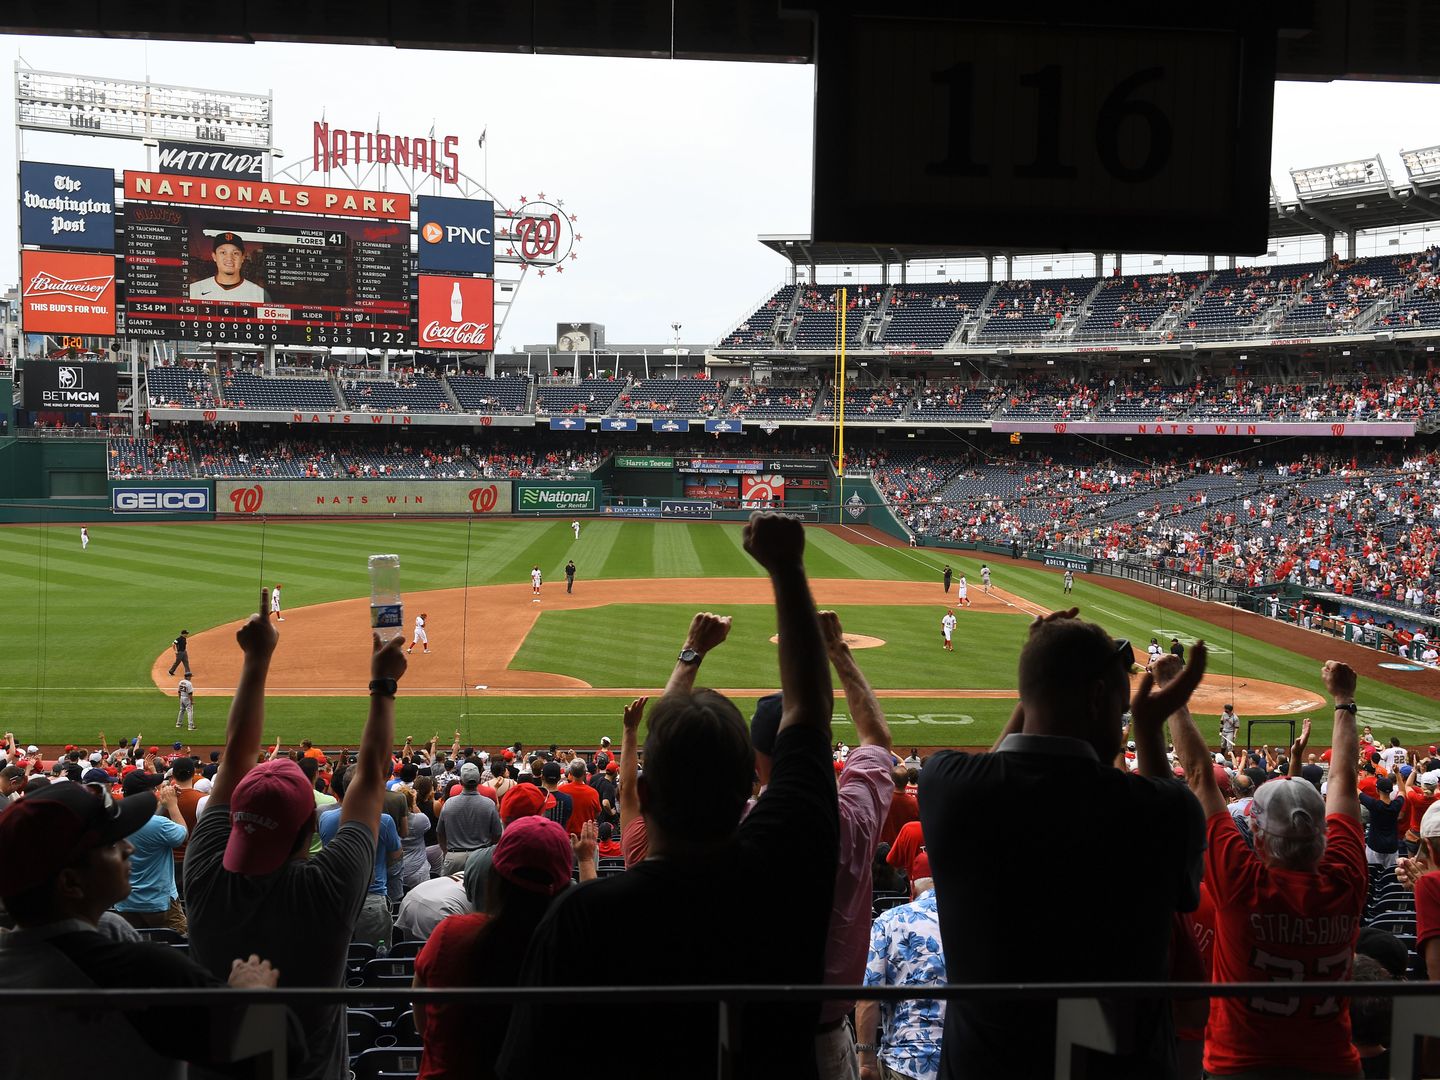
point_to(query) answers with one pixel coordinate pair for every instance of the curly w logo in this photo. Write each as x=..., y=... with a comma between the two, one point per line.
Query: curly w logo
x=1060, y=428
x=1337, y=430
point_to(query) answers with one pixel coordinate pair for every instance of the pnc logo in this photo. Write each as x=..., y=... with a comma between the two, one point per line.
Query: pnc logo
x=432, y=232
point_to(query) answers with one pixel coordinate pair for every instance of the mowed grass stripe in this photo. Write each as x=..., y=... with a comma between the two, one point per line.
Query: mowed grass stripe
x=632, y=554
x=723, y=550
x=855, y=559
x=675, y=552
x=590, y=552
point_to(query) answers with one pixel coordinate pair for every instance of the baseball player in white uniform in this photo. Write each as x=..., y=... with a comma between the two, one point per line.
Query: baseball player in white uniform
x=187, y=702
x=84, y=538
x=576, y=526
x=947, y=628
x=985, y=577
x=535, y=584
x=275, y=603
x=1229, y=728
x=962, y=591
x=1155, y=652
x=420, y=637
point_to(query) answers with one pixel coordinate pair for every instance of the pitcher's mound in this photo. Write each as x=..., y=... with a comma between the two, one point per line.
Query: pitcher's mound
x=855, y=641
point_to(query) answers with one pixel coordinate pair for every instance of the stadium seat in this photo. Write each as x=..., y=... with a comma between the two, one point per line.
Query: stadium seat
x=391, y=1063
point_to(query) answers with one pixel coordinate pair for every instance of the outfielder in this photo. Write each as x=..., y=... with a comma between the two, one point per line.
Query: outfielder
x=186, y=690
x=420, y=637
x=1069, y=581
x=275, y=603
x=535, y=584
x=576, y=526
x=947, y=627
x=84, y=538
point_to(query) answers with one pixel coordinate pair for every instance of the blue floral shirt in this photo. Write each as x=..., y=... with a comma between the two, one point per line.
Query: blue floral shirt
x=905, y=951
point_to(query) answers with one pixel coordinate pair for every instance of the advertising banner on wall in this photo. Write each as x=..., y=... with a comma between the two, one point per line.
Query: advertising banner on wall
x=61, y=293
x=457, y=313
x=554, y=498
x=1166, y=429
x=160, y=498
x=360, y=498
x=619, y=423
x=67, y=206
x=694, y=509
x=69, y=386
x=759, y=492
x=457, y=236
x=644, y=461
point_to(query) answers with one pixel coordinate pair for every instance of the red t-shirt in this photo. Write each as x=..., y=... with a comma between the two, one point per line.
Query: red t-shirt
x=1367, y=785
x=909, y=842
x=609, y=849
x=584, y=805
x=1283, y=926
x=903, y=810
x=634, y=840
x=447, y=1031
x=1416, y=803
x=1427, y=909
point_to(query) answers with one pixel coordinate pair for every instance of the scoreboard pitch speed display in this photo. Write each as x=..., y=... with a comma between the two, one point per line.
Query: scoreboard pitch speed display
x=225, y=261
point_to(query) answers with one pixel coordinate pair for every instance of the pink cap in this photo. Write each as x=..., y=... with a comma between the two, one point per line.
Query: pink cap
x=535, y=854
x=266, y=812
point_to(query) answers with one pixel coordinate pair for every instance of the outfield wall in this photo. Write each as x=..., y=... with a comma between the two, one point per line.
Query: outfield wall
x=52, y=480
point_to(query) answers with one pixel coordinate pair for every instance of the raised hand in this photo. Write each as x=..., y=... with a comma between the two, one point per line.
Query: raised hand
x=387, y=661
x=1339, y=680
x=584, y=845
x=832, y=632
x=253, y=974
x=258, y=636
x=1152, y=706
x=775, y=541
x=707, y=631
x=1297, y=748
x=634, y=712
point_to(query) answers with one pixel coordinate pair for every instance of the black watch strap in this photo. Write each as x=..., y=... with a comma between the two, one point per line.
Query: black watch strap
x=1348, y=706
x=383, y=687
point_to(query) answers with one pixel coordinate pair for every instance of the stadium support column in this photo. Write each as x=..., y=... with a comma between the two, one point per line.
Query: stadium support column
x=840, y=411
x=269, y=359
x=135, y=388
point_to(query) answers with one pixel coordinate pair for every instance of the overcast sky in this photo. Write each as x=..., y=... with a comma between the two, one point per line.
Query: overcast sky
x=672, y=167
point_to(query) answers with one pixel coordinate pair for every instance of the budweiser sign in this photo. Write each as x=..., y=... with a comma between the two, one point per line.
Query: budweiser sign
x=90, y=288
x=471, y=335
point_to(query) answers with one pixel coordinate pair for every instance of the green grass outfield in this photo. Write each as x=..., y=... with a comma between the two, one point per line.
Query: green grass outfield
x=84, y=627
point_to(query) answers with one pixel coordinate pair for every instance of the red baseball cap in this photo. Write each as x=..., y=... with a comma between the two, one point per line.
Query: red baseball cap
x=267, y=810
x=521, y=801
x=612, y=768
x=920, y=868
x=508, y=754
x=43, y=832
x=534, y=854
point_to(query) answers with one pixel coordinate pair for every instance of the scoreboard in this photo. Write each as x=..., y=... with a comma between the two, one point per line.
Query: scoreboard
x=214, y=273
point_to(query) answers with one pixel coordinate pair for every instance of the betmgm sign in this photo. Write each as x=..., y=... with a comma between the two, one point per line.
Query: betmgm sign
x=69, y=387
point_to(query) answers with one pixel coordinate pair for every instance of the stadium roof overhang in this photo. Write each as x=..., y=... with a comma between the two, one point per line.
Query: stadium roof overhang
x=800, y=250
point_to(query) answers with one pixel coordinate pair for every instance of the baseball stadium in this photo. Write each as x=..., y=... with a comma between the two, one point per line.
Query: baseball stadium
x=232, y=379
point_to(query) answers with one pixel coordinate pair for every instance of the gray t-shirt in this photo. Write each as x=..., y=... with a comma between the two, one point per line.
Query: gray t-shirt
x=300, y=918
x=470, y=821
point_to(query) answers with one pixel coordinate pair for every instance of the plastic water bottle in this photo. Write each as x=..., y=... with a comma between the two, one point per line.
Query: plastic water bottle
x=387, y=611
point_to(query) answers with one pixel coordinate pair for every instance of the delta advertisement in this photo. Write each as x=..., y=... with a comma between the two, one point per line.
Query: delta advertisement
x=362, y=498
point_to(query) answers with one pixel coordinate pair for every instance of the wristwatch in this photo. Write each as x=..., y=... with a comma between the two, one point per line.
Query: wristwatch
x=383, y=687
x=1348, y=706
x=688, y=656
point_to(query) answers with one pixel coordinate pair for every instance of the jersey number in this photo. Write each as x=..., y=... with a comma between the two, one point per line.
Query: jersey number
x=1283, y=969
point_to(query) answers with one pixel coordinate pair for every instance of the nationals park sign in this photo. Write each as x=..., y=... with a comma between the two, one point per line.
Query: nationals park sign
x=361, y=498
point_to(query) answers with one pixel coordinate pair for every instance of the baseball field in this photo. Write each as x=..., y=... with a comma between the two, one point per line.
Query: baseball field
x=88, y=632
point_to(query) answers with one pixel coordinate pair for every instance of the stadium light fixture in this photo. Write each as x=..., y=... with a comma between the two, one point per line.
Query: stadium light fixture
x=1367, y=174
x=1422, y=164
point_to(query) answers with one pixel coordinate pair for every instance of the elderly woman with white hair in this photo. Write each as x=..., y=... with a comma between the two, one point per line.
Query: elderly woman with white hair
x=1287, y=911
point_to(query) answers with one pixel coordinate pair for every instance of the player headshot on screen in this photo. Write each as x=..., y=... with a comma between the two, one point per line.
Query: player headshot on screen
x=228, y=284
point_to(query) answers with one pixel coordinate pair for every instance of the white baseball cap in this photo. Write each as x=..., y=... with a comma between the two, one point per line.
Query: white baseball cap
x=1288, y=808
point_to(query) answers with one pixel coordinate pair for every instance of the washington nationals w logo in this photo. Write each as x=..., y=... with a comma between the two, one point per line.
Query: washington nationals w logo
x=538, y=237
x=247, y=500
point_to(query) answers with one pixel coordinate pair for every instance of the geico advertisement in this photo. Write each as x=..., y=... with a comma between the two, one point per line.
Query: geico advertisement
x=271, y=498
x=160, y=500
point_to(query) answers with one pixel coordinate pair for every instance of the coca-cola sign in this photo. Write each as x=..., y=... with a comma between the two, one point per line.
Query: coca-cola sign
x=64, y=293
x=457, y=313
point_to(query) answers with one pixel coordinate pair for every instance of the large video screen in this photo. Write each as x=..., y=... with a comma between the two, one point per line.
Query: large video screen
x=208, y=274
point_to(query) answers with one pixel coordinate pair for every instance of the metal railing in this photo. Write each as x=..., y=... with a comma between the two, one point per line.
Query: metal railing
x=1091, y=1018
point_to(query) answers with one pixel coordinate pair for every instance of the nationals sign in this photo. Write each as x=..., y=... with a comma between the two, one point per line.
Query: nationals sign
x=67, y=294
x=457, y=314
x=361, y=498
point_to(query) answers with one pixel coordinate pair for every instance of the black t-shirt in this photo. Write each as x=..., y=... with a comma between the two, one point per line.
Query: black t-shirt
x=181, y=644
x=1052, y=866
x=755, y=911
x=607, y=789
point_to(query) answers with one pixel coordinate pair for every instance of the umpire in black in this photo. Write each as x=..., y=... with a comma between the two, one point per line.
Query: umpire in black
x=948, y=573
x=182, y=653
x=570, y=576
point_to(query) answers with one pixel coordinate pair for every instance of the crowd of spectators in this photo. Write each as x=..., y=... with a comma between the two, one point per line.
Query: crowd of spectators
x=763, y=853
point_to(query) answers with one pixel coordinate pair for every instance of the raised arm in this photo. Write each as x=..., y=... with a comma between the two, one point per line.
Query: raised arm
x=1297, y=748
x=1341, y=796
x=706, y=632
x=1151, y=706
x=777, y=543
x=629, y=765
x=366, y=789
x=865, y=710
x=257, y=638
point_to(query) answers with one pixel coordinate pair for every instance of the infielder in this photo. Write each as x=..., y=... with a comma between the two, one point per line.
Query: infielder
x=985, y=577
x=535, y=584
x=84, y=538
x=962, y=591
x=275, y=603
x=187, y=702
x=420, y=637
x=576, y=526
x=1155, y=652
x=1069, y=581
x=947, y=627
x=1229, y=726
